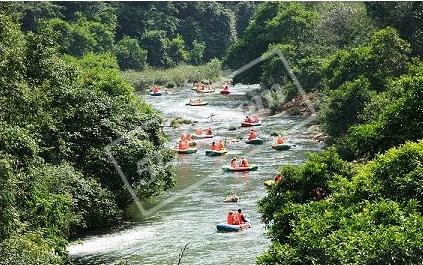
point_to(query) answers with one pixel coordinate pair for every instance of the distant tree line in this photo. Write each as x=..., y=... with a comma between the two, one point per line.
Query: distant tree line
x=159, y=34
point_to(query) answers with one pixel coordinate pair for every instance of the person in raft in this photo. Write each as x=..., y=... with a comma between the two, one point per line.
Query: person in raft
x=156, y=89
x=230, y=218
x=220, y=145
x=279, y=140
x=186, y=137
x=234, y=163
x=255, y=119
x=214, y=147
x=252, y=135
x=239, y=218
x=244, y=163
x=278, y=178
x=183, y=145
x=209, y=131
x=248, y=119
x=225, y=87
x=198, y=131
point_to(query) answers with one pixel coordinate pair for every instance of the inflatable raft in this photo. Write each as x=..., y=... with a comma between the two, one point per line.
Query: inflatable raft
x=186, y=151
x=225, y=92
x=239, y=169
x=197, y=103
x=224, y=227
x=155, y=93
x=281, y=147
x=269, y=183
x=205, y=91
x=203, y=136
x=250, y=124
x=216, y=152
x=254, y=141
x=231, y=198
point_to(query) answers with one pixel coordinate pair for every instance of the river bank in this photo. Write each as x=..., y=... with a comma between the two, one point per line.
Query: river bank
x=174, y=77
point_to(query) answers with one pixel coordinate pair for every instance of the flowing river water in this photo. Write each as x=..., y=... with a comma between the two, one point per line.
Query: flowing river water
x=196, y=202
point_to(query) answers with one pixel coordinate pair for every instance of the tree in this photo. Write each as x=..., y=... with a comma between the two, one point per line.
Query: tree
x=406, y=17
x=197, y=52
x=342, y=107
x=157, y=45
x=130, y=55
x=382, y=59
x=177, y=50
x=264, y=29
x=372, y=214
x=398, y=122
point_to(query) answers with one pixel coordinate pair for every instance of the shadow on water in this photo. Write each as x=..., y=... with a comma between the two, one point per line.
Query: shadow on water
x=192, y=218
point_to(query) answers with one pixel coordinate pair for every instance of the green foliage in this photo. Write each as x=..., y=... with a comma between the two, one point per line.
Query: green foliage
x=9, y=221
x=399, y=121
x=157, y=45
x=177, y=50
x=383, y=58
x=342, y=25
x=31, y=248
x=197, y=52
x=343, y=107
x=404, y=16
x=60, y=113
x=130, y=55
x=264, y=29
x=176, y=76
x=82, y=36
x=365, y=219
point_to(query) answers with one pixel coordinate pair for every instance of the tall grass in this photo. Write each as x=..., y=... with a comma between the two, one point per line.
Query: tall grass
x=176, y=76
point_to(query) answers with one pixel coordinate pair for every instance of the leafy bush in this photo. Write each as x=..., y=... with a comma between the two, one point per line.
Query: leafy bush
x=343, y=107
x=130, y=55
x=372, y=215
x=399, y=121
x=177, y=76
x=379, y=61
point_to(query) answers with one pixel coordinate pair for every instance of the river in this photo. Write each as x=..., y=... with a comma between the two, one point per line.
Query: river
x=201, y=186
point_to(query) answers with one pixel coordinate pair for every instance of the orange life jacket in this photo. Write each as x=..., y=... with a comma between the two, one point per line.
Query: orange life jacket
x=280, y=140
x=236, y=220
x=184, y=145
x=198, y=131
x=221, y=145
x=252, y=135
x=230, y=219
x=244, y=163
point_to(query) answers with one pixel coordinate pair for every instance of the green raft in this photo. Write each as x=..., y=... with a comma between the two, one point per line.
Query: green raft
x=281, y=147
x=269, y=183
x=239, y=169
x=254, y=141
x=186, y=151
x=216, y=153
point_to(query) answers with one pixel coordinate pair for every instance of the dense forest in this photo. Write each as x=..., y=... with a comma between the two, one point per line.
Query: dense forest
x=63, y=99
x=362, y=62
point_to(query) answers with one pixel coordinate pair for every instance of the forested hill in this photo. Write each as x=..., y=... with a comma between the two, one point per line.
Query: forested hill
x=160, y=34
